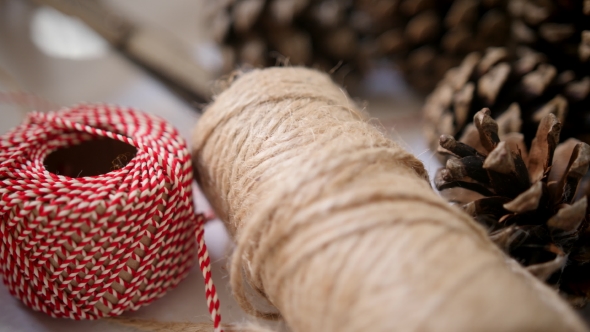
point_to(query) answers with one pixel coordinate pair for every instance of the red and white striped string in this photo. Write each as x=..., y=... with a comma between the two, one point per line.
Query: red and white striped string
x=90, y=247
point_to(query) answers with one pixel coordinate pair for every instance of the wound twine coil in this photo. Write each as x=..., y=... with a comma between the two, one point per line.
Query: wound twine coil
x=90, y=245
x=336, y=226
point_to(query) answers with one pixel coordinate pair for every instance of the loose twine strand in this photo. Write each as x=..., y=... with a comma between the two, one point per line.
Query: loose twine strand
x=95, y=246
x=27, y=101
x=11, y=92
x=336, y=227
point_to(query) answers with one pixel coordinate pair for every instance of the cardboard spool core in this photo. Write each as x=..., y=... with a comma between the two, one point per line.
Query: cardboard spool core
x=90, y=158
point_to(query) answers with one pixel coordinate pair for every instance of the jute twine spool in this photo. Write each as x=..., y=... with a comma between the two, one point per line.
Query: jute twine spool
x=96, y=212
x=336, y=226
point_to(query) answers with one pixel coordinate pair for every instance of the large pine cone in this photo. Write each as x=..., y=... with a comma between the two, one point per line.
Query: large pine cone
x=560, y=29
x=321, y=34
x=502, y=81
x=531, y=201
x=428, y=37
x=424, y=37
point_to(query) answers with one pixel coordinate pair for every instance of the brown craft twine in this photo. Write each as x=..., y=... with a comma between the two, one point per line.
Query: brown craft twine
x=336, y=225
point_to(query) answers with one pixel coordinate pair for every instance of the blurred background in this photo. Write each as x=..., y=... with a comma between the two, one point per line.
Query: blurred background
x=394, y=57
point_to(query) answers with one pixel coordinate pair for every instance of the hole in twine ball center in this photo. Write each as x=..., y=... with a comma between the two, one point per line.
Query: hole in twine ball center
x=90, y=158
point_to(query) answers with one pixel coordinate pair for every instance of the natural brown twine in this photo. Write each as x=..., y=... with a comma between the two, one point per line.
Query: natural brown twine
x=337, y=227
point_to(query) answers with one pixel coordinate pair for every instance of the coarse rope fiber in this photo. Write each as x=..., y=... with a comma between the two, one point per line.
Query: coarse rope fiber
x=96, y=245
x=336, y=226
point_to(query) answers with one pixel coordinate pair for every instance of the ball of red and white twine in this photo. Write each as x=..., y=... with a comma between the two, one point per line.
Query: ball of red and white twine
x=95, y=246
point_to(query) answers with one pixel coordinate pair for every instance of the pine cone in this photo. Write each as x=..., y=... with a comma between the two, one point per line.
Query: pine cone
x=559, y=29
x=300, y=32
x=531, y=202
x=508, y=84
x=428, y=37
x=425, y=37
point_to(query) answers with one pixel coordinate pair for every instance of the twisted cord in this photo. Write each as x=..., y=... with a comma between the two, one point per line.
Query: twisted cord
x=95, y=246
